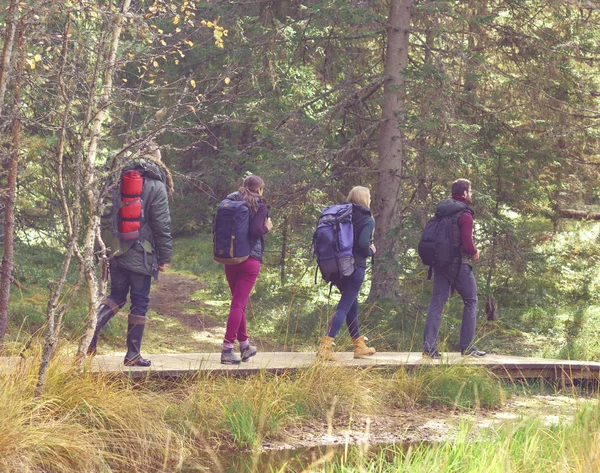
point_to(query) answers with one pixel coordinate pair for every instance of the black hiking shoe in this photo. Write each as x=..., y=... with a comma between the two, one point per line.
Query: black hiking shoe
x=473, y=351
x=433, y=354
x=229, y=358
x=137, y=361
x=248, y=352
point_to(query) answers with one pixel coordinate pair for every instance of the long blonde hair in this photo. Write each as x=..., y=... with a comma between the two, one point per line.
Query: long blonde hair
x=249, y=191
x=360, y=195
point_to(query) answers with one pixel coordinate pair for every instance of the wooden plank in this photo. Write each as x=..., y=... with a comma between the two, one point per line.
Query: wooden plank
x=176, y=365
x=173, y=366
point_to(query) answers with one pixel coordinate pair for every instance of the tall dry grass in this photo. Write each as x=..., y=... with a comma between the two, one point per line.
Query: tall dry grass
x=83, y=423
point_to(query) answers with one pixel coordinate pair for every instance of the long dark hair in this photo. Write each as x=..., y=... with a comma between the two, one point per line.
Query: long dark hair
x=249, y=191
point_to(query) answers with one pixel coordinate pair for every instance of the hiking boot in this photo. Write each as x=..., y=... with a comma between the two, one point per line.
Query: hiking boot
x=138, y=361
x=230, y=358
x=433, y=354
x=135, y=333
x=248, y=352
x=473, y=351
x=105, y=313
x=324, y=352
x=361, y=349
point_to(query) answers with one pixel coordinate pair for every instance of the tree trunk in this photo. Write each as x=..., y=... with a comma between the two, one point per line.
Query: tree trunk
x=283, y=250
x=54, y=313
x=391, y=154
x=9, y=38
x=491, y=308
x=90, y=181
x=9, y=200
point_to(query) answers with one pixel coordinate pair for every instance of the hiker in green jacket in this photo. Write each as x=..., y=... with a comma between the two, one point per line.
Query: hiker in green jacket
x=135, y=261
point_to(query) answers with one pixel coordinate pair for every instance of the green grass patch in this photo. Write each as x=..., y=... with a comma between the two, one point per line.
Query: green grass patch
x=460, y=386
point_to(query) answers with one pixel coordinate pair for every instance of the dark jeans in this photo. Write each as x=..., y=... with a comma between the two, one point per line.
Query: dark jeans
x=465, y=285
x=347, y=308
x=124, y=281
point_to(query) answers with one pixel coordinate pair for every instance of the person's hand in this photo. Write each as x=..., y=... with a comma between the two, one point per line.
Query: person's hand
x=373, y=249
x=475, y=257
x=268, y=223
x=163, y=267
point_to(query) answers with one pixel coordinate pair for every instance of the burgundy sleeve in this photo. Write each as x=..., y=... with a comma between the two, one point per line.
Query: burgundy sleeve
x=465, y=223
x=257, y=226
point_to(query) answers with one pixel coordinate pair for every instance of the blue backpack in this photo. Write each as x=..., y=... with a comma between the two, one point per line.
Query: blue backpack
x=231, y=243
x=333, y=241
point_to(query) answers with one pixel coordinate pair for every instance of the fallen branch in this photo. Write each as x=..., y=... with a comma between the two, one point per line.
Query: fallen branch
x=578, y=214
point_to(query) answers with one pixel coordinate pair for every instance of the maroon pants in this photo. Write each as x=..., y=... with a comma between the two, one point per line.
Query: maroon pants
x=241, y=278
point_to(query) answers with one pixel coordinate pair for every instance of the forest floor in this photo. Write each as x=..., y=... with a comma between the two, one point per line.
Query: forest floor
x=182, y=323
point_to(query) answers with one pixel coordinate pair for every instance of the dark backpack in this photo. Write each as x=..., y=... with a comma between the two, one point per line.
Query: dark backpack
x=123, y=224
x=436, y=248
x=333, y=241
x=231, y=243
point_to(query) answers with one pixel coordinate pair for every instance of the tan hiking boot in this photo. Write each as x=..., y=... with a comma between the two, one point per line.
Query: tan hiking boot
x=361, y=349
x=324, y=352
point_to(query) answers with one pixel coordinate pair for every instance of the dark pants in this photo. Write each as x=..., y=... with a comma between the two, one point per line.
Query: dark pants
x=465, y=285
x=123, y=282
x=347, y=308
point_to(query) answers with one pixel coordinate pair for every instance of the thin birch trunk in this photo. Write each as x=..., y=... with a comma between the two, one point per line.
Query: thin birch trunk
x=72, y=224
x=9, y=38
x=90, y=187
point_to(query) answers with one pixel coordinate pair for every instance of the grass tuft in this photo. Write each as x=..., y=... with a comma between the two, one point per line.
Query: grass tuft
x=82, y=423
x=460, y=386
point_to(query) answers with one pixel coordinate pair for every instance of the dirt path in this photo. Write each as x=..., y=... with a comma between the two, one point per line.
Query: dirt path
x=179, y=322
x=172, y=297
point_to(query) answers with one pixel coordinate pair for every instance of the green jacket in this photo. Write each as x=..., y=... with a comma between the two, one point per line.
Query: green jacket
x=154, y=246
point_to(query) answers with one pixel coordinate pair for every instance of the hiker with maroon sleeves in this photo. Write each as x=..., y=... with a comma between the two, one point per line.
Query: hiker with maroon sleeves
x=456, y=276
x=242, y=276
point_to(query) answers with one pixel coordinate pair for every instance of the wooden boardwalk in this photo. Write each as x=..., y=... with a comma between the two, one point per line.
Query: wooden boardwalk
x=174, y=366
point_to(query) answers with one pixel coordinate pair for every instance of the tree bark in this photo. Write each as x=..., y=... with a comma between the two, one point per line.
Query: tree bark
x=90, y=187
x=491, y=308
x=9, y=200
x=392, y=154
x=9, y=38
x=53, y=312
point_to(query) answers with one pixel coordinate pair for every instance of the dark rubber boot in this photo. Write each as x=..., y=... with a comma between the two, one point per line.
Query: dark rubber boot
x=105, y=313
x=135, y=333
